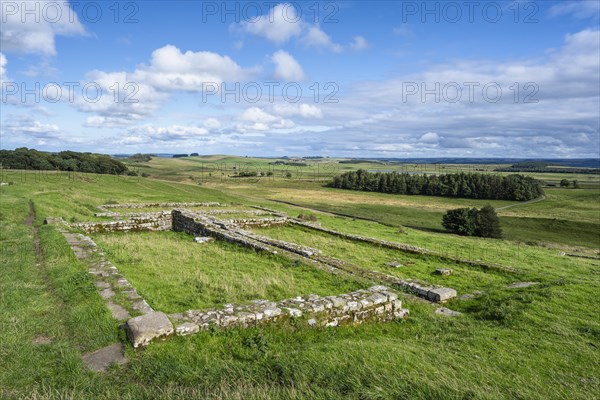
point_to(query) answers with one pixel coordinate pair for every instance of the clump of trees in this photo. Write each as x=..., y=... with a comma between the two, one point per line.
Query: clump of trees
x=31, y=159
x=471, y=185
x=180, y=155
x=566, y=183
x=473, y=222
x=139, y=157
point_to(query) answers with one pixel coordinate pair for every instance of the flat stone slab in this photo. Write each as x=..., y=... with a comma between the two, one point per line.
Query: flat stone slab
x=100, y=360
x=520, y=285
x=118, y=312
x=143, y=329
x=441, y=294
x=447, y=312
x=393, y=264
x=107, y=293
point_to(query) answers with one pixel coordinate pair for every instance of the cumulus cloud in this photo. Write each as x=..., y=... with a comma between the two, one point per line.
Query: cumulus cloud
x=430, y=137
x=278, y=26
x=257, y=119
x=170, y=69
x=284, y=22
x=567, y=82
x=20, y=130
x=142, y=91
x=315, y=37
x=286, y=67
x=212, y=123
x=36, y=32
x=301, y=110
x=168, y=133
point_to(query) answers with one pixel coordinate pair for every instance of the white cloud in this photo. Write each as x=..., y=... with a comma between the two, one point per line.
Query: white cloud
x=21, y=33
x=3, y=62
x=359, y=43
x=167, y=133
x=212, y=123
x=302, y=110
x=284, y=22
x=170, y=69
x=142, y=91
x=278, y=26
x=256, y=119
x=578, y=9
x=315, y=37
x=286, y=67
x=21, y=130
x=430, y=137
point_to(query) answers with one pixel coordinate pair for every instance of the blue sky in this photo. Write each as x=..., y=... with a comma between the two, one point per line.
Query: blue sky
x=394, y=79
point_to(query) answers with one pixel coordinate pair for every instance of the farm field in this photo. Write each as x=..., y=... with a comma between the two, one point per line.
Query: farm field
x=535, y=342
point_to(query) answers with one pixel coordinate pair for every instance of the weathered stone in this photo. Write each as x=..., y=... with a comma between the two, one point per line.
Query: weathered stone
x=443, y=271
x=118, y=312
x=100, y=360
x=142, y=307
x=107, y=293
x=187, y=328
x=141, y=330
x=441, y=294
x=394, y=264
x=203, y=239
x=447, y=312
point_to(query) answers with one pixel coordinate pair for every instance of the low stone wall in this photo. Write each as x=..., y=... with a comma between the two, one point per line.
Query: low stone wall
x=257, y=222
x=109, y=282
x=377, y=304
x=160, y=221
x=404, y=247
x=105, y=207
x=197, y=224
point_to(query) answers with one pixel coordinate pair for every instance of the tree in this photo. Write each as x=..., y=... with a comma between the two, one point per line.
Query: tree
x=575, y=184
x=473, y=222
x=462, y=221
x=565, y=183
x=488, y=223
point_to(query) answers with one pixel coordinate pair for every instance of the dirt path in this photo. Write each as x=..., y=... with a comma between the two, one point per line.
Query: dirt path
x=523, y=203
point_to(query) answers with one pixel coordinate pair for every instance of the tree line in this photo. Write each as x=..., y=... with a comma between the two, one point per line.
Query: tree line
x=465, y=185
x=31, y=159
x=540, y=166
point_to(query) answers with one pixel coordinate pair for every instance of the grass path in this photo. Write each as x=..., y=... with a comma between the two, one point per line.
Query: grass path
x=522, y=203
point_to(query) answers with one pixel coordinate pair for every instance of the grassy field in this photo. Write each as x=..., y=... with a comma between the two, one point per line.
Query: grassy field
x=540, y=342
x=175, y=274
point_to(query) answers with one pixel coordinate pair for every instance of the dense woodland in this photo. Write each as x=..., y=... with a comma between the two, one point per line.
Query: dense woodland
x=24, y=158
x=472, y=185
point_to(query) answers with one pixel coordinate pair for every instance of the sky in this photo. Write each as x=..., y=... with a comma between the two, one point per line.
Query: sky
x=517, y=79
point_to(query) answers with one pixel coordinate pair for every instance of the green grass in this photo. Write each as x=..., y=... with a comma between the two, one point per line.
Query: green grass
x=175, y=274
x=535, y=343
x=465, y=279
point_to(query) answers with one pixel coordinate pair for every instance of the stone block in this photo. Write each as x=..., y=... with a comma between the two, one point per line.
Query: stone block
x=143, y=329
x=441, y=294
x=187, y=328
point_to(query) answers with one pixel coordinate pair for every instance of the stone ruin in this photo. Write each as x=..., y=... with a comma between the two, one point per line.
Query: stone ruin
x=375, y=304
